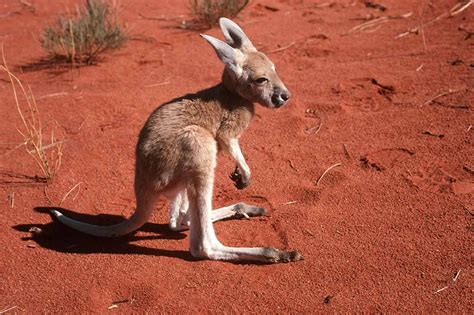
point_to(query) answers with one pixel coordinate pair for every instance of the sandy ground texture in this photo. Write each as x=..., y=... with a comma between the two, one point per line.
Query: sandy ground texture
x=388, y=230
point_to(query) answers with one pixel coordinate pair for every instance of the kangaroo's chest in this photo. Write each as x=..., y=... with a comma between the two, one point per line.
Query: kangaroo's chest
x=234, y=122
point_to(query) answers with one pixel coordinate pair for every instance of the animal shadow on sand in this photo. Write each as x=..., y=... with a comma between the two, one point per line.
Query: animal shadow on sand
x=56, y=236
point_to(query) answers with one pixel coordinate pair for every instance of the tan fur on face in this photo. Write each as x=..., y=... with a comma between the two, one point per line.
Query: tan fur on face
x=257, y=65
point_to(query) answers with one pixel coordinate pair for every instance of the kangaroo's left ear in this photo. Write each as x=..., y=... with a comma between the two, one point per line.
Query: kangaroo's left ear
x=235, y=36
x=231, y=57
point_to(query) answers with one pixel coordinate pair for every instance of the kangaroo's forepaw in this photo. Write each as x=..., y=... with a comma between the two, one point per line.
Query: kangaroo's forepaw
x=240, y=182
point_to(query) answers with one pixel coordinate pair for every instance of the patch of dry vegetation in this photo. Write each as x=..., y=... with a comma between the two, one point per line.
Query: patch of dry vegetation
x=82, y=39
x=208, y=12
x=32, y=130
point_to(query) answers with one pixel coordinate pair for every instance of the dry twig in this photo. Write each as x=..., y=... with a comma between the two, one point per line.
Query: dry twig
x=454, y=279
x=292, y=166
x=46, y=195
x=161, y=17
x=8, y=309
x=376, y=22
x=450, y=91
x=346, y=151
x=429, y=133
x=469, y=33
x=52, y=95
x=326, y=171
x=456, y=9
x=456, y=275
x=314, y=130
x=69, y=192
x=11, y=199
x=422, y=30
x=158, y=84
x=442, y=289
x=323, y=5
x=281, y=48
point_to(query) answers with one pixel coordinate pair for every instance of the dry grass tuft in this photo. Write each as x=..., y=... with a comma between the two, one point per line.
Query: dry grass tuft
x=92, y=32
x=208, y=12
x=32, y=131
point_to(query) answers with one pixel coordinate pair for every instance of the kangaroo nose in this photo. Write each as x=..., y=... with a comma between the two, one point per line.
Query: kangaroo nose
x=280, y=97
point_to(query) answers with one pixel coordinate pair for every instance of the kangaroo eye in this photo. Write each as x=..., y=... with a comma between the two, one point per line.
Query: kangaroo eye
x=261, y=80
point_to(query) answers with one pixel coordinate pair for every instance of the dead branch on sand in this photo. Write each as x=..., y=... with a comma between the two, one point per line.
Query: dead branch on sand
x=346, y=151
x=456, y=275
x=429, y=133
x=455, y=10
x=162, y=17
x=326, y=171
x=375, y=23
x=313, y=130
x=11, y=199
x=448, y=92
x=469, y=33
x=69, y=192
x=52, y=95
x=281, y=48
x=8, y=309
x=454, y=279
x=292, y=166
x=158, y=84
x=440, y=290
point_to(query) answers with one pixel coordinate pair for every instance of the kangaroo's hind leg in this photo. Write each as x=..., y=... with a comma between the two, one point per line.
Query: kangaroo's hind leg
x=204, y=243
x=237, y=211
x=203, y=240
x=179, y=214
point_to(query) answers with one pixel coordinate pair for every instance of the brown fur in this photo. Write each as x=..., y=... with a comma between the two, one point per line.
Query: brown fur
x=164, y=142
x=177, y=149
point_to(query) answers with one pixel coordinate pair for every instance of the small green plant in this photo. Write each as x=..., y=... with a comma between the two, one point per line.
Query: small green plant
x=82, y=39
x=208, y=12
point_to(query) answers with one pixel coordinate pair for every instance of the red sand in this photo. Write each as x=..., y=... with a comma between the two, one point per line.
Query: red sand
x=383, y=232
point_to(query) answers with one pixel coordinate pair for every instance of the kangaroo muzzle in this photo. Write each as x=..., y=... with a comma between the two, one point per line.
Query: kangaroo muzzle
x=280, y=97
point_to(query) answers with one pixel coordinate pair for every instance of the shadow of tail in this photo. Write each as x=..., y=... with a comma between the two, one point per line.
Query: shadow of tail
x=57, y=237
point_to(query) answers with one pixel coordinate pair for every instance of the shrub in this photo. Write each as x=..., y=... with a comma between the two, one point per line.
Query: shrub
x=82, y=39
x=208, y=12
x=32, y=131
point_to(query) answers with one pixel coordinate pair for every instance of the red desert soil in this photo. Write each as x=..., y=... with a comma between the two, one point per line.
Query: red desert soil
x=389, y=230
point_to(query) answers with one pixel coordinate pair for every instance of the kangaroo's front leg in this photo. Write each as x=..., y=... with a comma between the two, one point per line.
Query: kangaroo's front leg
x=241, y=175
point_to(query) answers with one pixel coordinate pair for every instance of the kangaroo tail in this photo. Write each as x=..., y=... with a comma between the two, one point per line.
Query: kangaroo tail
x=138, y=219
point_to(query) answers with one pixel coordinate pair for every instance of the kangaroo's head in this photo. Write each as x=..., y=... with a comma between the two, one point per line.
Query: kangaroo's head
x=247, y=71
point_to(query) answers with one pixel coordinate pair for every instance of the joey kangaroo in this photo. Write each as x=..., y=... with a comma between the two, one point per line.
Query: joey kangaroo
x=177, y=150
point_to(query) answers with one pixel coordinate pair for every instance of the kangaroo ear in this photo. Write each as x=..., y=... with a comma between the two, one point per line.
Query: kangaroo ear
x=235, y=36
x=232, y=58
